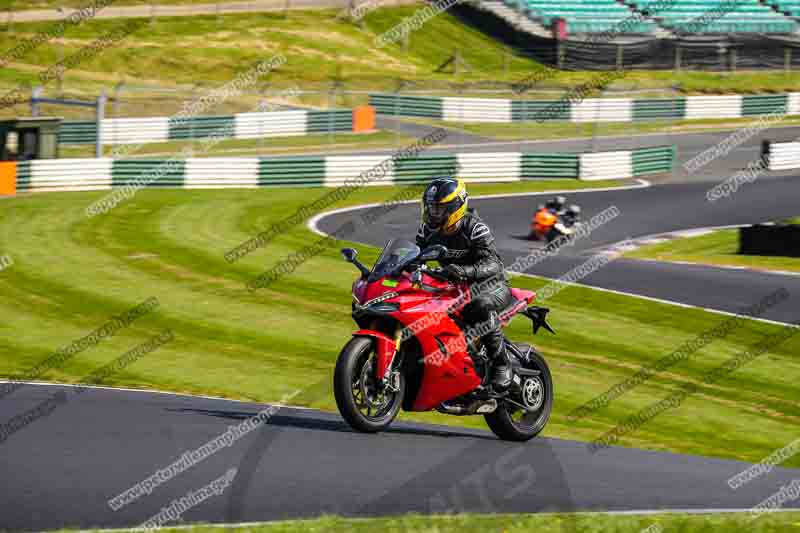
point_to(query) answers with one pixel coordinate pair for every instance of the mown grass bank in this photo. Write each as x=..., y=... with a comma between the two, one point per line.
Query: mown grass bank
x=544, y=523
x=717, y=248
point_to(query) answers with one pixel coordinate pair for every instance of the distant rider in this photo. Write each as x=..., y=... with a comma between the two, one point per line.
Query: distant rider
x=572, y=215
x=556, y=205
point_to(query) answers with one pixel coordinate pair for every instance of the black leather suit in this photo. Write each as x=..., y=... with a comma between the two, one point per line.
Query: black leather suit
x=472, y=247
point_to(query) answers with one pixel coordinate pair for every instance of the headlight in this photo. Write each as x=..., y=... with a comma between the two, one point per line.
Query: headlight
x=382, y=298
x=379, y=304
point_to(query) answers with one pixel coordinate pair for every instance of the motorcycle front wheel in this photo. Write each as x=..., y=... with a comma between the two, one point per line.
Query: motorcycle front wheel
x=510, y=422
x=362, y=402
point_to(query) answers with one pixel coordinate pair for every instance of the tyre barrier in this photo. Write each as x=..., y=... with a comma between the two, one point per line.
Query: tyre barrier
x=453, y=109
x=776, y=240
x=327, y=171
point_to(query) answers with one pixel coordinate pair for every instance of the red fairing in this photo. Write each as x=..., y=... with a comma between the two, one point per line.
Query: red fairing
x=385, y=348
x=448, y=374
x=423, y=312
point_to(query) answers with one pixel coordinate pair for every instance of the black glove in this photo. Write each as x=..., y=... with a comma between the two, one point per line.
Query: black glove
x=456, y=272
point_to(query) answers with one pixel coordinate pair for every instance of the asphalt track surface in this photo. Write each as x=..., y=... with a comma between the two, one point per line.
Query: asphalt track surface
x=643, y=211
x=60, y=470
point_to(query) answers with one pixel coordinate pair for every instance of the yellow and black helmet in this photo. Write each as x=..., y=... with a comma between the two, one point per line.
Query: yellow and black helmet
x=444, y=203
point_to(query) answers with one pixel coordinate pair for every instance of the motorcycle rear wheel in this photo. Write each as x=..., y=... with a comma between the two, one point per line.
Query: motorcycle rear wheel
x=360, y=403
x=512, y=423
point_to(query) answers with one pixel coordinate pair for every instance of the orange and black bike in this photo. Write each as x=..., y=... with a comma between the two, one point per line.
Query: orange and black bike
x=548, y=225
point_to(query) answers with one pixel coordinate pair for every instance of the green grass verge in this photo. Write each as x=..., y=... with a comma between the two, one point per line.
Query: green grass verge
x=266, y=146
x=544, y=523
x=70, y=274
x=717, y=248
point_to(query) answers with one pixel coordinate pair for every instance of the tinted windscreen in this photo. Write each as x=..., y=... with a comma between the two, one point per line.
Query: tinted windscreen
x=394, y=257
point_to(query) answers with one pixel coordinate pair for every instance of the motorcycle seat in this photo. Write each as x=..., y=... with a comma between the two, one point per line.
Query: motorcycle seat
x=519, y=301
x=515, y=307
x=522, y=294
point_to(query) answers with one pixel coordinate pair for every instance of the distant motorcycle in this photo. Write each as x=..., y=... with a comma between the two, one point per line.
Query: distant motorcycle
x=548, y=225
x=410, y=350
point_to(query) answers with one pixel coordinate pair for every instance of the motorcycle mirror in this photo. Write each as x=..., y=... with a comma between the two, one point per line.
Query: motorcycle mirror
x=349, y=254
x=433, y=252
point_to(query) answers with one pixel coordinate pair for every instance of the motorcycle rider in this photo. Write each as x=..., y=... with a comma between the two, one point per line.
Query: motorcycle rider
x=556, y=205
x=471, y=257
x=572, y=215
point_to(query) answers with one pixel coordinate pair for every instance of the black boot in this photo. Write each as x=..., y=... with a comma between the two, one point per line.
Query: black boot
x=501, y=364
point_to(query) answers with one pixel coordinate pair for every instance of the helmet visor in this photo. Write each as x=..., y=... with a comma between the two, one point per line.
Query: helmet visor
x=436, y=215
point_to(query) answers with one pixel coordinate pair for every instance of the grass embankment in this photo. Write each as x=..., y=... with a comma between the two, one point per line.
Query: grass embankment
x=319, y=47
x=717, y=248
x=70, y=274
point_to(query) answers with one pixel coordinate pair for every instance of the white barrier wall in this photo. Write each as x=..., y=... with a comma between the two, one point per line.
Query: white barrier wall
x=338, y=169
x=487, y=167
x=602, y=110
x=271, y=124
x=476, y=110
x=793, y=104
x=135, y=130
x=606, y=165
x=221, y=172
x=784, y=156
x=698, y=107
x=71, y=174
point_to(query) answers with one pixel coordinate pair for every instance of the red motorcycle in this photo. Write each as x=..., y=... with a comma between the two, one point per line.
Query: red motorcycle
x=411, y=351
